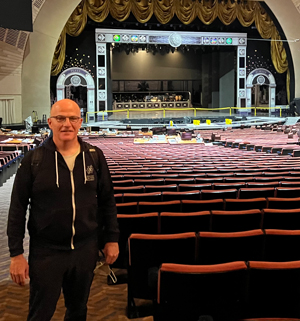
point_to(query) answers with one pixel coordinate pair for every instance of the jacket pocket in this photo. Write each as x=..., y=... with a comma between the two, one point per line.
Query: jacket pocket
x=54, y=226
x=86, y=221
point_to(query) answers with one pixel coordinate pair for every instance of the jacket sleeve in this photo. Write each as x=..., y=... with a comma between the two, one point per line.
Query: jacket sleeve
x=107, y=203
x=18, y=207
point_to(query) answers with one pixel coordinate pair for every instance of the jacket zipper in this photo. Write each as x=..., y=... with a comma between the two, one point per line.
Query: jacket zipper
x=74, y=210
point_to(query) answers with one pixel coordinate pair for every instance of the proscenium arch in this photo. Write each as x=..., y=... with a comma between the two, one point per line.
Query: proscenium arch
x=272, y=85
x=74, y=71
x=50, y=22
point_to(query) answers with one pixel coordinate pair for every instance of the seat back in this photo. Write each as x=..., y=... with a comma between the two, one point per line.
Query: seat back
x=148, y=252
x=287, y=192
x=253, y=192
x=187, y=292
x=245, y=204
x=274, y=289
x=280, y=245
x=281, y=219
x=216, y=248
x=127, y=208
x=235, y=221
x=129, y=224
x=187, y=195
x=217, y=194
x=283, y=203
x=168, y=206
x=202, y=205
x=184, y=222
x=142, y=197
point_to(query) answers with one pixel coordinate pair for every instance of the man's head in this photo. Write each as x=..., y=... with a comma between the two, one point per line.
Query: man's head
x=65, y=120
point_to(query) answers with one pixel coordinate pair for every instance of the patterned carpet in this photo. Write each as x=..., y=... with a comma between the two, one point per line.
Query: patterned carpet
x=106, y=302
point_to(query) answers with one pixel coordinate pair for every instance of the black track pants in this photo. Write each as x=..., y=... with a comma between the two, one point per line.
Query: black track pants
x=52, y=270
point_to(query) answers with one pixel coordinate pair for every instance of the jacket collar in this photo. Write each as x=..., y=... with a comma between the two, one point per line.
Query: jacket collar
x=49, y=144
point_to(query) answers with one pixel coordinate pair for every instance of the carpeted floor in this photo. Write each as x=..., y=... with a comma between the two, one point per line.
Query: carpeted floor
x=106, y=302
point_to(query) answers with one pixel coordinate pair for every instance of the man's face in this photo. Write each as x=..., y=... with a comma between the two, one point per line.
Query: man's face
x=65, y=130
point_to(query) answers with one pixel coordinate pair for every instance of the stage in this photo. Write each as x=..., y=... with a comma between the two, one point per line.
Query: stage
x=187, y=122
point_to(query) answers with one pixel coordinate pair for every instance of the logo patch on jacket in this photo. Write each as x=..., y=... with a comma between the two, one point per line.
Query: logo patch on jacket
x=89, y=171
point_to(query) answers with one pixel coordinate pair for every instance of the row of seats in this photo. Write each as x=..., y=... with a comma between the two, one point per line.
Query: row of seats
x=214, y=221
x=201, y=173
x=253, y=291
x=7, y=158
x=169, y=194
x=208, y=205
x=148, y=252
x=200, y=186
x=158, y=179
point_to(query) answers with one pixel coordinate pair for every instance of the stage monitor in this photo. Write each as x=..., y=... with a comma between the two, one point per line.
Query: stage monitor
x=16, y=14
x=35, y=129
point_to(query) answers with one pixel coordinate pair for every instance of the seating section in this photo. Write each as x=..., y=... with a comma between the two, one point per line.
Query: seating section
x=7, y=158
x=202, y=226
x=229, y=291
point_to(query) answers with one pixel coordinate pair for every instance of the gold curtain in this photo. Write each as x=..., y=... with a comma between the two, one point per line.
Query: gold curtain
x=164, y=10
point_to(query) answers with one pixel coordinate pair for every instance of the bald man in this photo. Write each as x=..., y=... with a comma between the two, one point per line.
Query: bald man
x=71, y=200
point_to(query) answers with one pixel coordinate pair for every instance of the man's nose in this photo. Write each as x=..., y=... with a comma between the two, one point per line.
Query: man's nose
x=67, y=122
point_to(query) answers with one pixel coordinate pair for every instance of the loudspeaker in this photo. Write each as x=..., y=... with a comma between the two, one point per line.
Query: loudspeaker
x=35, y=129
x=16, y=14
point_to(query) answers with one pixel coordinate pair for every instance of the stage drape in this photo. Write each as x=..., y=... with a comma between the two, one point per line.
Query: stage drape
x=7, y=110
x=164, y=10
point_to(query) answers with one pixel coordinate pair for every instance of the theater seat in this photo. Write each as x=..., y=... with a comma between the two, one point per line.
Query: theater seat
x=274, y=290
x=174, y=222
x=283, y=203
x=127, y=208
x=146, y=254
x=287, y=192
x=202, y=205
x=169, y=206
x=245, y=193
x=235, y=221
x=280, y=245
x=281, y=219
x=187, y=195
x=185, y=292
x=216, y=247
x=217, y=194
x=129, y=224
x=245, y=204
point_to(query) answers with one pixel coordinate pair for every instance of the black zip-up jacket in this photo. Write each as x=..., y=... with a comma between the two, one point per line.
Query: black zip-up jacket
x=62, y=215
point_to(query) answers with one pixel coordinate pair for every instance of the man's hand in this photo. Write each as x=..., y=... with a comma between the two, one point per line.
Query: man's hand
x=19, y=269
x=111, y=252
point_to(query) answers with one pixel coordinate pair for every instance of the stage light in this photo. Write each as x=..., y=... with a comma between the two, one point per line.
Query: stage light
x=116, y=38
x=229, y=41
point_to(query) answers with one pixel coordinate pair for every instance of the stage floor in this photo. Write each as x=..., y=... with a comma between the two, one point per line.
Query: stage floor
x=217, y=122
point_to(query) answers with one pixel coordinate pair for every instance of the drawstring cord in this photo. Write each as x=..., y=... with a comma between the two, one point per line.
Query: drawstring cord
x=56, y=168
x=84, y=168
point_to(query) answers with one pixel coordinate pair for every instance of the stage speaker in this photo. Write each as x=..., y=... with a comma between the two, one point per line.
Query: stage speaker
x=16, y=14
x=35, y=129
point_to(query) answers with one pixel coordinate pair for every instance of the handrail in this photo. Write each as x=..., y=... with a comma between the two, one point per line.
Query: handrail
x=128, y=110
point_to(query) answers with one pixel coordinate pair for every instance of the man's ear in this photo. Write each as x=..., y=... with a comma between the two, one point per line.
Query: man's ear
x=49, y=122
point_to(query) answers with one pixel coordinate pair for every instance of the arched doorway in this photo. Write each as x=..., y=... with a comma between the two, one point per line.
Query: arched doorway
x=261, y=89
x=77, y=84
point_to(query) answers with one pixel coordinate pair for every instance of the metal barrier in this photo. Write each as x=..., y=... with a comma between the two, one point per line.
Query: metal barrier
x=104, y=114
